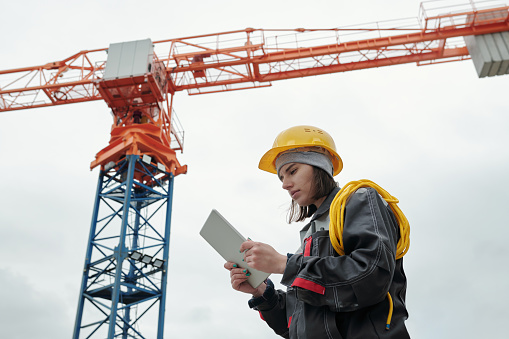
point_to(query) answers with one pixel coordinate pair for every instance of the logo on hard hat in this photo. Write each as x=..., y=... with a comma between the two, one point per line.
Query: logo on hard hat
x=313, y=130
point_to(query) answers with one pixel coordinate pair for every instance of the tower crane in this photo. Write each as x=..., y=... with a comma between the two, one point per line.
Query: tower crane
x=125, y=272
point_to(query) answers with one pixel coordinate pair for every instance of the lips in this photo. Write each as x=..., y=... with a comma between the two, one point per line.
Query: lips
x=293, y=193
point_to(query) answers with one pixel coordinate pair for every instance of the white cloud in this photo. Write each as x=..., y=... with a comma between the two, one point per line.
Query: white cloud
x=29, y=313
x=435, y=137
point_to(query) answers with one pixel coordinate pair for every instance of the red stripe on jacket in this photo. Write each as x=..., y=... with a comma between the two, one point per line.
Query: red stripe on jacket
x=261, y=315
x=309, y=285
x=307, y=246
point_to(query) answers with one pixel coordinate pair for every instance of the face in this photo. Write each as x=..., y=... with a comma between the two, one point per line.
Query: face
x=297, y=179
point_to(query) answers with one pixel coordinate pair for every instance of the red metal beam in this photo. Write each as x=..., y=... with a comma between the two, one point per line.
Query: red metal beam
x=249, y=61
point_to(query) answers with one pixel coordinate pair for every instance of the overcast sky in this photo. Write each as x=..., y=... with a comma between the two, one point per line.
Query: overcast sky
x=435, y=137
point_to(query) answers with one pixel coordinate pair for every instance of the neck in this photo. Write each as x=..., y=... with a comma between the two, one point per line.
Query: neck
x=319, y=202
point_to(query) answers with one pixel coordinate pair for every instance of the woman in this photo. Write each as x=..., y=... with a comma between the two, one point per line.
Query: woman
x=328, y=295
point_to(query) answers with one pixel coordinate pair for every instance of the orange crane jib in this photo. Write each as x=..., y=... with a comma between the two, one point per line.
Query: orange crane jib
x=138, y=84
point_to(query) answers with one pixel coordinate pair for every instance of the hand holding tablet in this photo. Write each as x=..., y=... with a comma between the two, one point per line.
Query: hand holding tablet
x=226, y=240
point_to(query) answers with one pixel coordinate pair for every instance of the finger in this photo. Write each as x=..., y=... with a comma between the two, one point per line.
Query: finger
x=230, y=265
x=239, y=270
x=236, y=284
x=251, y=263
x=246, y=245
x=240, y=273
x=239, y=278
x=233, y=273
x=250, y=255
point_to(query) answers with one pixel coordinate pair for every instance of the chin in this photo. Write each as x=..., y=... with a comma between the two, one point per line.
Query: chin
x=305, y=204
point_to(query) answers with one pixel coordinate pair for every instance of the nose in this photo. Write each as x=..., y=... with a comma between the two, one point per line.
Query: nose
x=287, y=183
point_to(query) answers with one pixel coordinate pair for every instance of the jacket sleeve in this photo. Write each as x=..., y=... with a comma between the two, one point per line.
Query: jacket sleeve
x=363, y=275
x=272, y=308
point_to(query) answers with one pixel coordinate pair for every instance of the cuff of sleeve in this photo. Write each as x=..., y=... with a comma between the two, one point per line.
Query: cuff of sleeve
x=266, y=296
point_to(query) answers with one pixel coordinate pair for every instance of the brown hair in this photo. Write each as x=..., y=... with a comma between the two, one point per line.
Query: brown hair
x=323, y=185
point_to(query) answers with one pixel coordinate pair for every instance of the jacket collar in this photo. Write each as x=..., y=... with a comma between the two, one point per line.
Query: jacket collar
x=324, y=207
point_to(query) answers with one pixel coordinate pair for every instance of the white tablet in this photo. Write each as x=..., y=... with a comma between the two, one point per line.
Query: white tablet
x=226, y=240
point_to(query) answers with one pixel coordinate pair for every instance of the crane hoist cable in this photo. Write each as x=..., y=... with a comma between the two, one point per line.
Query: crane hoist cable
x=337, y=217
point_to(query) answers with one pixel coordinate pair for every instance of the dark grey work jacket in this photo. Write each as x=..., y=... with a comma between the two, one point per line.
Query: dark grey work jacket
x=342, y=297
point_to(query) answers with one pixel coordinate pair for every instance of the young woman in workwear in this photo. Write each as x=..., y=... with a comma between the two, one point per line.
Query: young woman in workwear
x=344, y=282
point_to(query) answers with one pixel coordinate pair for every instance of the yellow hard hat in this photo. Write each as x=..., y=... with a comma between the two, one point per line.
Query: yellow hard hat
x=297, y=137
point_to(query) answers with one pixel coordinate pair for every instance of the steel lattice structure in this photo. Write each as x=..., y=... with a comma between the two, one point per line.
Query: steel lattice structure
x=125, y=271
x=122, y=283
